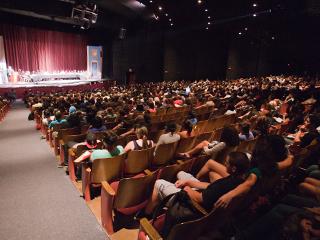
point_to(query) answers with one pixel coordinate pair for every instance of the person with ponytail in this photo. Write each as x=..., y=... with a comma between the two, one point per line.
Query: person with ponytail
x=142, y=141
x=187, y=130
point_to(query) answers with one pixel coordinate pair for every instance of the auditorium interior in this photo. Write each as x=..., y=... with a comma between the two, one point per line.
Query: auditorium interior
x=130, y=119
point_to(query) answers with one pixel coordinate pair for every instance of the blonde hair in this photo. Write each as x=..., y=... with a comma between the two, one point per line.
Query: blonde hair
x=142, y=133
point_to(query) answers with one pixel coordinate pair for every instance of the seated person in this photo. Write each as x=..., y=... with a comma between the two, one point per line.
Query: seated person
x=142, y=142
x=245, y=134
x=187, y=130
x=206, y=194
x=91, y=143
x=311, y=187
x=170, y=136
x=57, y=120
x=229, y=138
x=268, y=158
x=111, y=149
x=97, y=125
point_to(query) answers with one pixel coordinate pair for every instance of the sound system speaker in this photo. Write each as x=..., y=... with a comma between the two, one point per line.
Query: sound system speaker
x=122, y=33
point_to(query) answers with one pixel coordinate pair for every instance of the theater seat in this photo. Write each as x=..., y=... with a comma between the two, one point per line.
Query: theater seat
x=164, y=154
x=138, y=161
x=124, y=199
x=108, y=169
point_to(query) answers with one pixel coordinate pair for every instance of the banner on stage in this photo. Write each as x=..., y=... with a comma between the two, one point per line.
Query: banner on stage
x=3, y=64
x=94, y=61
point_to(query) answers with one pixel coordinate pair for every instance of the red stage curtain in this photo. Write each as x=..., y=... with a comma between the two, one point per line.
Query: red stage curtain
x=32, y=49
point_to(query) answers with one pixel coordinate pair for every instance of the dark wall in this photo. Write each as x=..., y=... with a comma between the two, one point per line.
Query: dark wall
x=170, y=56
x=195, y=55
x=142, y=52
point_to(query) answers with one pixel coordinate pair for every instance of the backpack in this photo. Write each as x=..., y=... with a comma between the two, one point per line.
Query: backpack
x=179, y=209
x=31, y=116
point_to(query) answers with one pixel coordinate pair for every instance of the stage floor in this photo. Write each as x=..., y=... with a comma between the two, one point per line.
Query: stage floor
x=55, y=83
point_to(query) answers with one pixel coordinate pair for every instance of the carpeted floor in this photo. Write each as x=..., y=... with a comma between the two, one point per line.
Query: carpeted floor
x=37, y=200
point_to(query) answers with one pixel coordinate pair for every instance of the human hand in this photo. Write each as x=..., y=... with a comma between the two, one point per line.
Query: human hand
x=181, y=183
x=223, y=201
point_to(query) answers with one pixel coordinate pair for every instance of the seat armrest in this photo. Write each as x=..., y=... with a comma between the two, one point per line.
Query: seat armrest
x=147, y=172
x=86, y=182
x=107, y=198
x=149, y=230
x=199, y=208
x=106, y=187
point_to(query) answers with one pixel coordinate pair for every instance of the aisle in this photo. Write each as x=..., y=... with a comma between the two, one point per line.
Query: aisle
x=37, y=200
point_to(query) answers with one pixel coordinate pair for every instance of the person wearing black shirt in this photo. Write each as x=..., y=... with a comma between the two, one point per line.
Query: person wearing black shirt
x=203, y=193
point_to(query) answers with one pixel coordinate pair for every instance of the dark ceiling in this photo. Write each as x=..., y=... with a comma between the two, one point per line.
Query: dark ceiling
x=175, y=14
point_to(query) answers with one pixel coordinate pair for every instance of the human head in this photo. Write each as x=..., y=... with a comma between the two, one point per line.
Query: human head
x=171, y=127
x=97, y=122
x=188, y=126
x=141, y=132
x=238, y=163
x=297, y=225
x=91, y=140
x=72, y=110
x=110, y=139
x=230, y=136
x=58, y=115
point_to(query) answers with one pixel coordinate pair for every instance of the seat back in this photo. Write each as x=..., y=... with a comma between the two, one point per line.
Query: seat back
x=203, y=137
x=138, y=160
x=164, y=154
x=198, y=129
x=169, y=173
x=75, y=138
x=100, y=135
x=247, y=146
x=216, y=135
x=68, y=131
x=133, y=191
x=107, y=169
x=222, y=155
x=185, y=144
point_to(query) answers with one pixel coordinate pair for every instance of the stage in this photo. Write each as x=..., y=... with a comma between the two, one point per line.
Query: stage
x=51, y=83
x=20, y=88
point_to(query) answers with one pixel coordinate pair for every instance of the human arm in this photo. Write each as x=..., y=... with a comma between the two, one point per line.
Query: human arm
x=217, y=148
x=285, y=163
x=191, y=184
x=194, y=195
x=243, y=188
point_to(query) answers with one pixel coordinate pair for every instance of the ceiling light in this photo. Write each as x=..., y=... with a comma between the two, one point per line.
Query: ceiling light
x=167, y=14
x=254, y=15
x=160, y=8
x=246, y=29
x=255, y=5
x=209, y=23
x=199, y=1
x=240, y=33
x=209, y=17
x=206, y=10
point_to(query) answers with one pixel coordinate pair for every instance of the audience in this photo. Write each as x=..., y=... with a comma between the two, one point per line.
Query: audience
x=280, y=113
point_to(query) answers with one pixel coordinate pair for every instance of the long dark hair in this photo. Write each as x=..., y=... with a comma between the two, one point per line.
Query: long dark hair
x=230, y=136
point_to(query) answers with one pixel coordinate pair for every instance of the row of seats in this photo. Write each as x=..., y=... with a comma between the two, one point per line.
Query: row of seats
x=126, y=181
